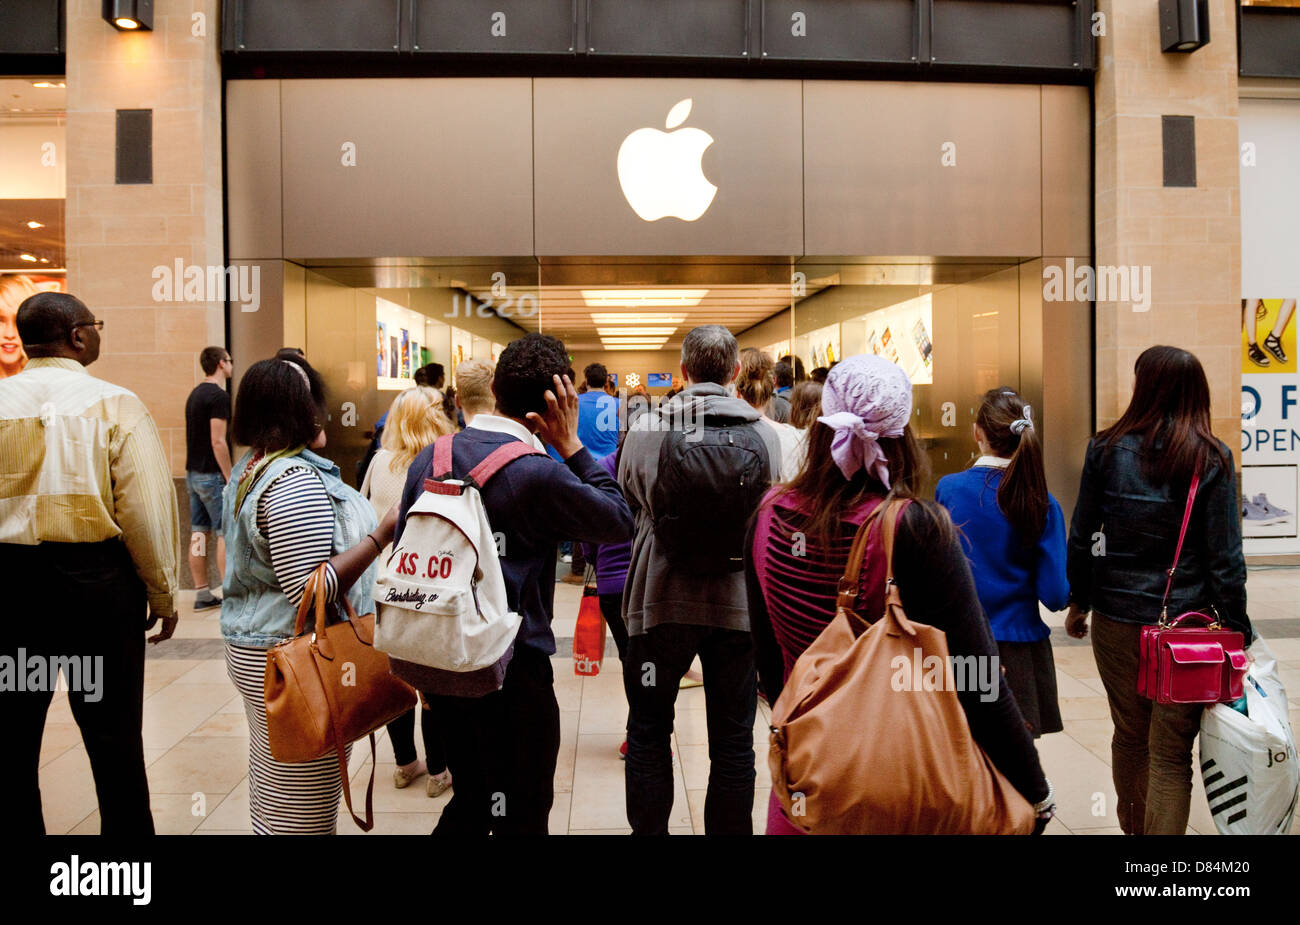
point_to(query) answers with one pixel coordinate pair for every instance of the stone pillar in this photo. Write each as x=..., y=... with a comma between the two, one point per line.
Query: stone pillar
x=118, y=234
x=1189, y=237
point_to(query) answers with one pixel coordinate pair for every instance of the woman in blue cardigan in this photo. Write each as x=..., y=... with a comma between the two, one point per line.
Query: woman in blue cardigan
x=1014, y=535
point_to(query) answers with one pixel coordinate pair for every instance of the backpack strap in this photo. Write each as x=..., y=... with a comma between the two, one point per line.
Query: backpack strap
x=442, y=457
x=499, y=458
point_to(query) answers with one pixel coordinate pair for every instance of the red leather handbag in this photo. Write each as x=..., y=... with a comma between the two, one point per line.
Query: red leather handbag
x=1179, y=662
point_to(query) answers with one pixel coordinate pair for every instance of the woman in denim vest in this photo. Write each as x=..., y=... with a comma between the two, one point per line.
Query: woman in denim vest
x=1136, y=477
x=285, y=512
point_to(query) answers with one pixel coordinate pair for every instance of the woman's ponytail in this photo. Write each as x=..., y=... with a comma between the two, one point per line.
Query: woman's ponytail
x=1011, y=431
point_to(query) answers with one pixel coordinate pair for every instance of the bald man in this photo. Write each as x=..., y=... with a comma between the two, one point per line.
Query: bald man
x=88, y=540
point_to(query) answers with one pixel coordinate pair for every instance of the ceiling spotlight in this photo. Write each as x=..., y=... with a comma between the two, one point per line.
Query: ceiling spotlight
x=129, y=15
x=28, y=257
x=1184, y=25
x=35, y=224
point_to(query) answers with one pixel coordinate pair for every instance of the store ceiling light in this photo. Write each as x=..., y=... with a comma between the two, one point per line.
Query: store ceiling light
x=49, y=85
x=28, y=257
x=643, y=298
x=600, y=318
x=35, y=224
x=637, y=341
x=633, y=346
x=129, y=15
x=643, y=332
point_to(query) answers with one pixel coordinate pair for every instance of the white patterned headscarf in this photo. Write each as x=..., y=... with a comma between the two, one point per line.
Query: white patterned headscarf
x=865, y=398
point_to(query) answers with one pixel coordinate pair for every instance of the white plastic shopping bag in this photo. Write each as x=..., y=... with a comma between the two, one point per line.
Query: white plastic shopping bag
x=1248, y=763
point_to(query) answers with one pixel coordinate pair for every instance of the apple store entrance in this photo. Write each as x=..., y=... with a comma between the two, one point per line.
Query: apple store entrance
x=954, y=325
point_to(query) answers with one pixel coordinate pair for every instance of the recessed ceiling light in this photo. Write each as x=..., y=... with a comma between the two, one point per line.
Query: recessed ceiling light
x=49, y=85
x=599, y=318
x=644, y=332
x=35, y=224
x=28, y=257
x=643, y=298
x=633, y=346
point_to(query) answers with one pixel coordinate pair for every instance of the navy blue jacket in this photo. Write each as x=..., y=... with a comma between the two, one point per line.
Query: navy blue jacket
x=534, y=502
x=1125, y=531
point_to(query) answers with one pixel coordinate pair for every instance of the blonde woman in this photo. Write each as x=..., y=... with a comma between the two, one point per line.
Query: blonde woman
x=14, y=290
x=414, y=421
x=756, y=384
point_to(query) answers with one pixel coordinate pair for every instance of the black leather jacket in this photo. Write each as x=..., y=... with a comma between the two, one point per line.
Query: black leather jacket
x=1125, y=530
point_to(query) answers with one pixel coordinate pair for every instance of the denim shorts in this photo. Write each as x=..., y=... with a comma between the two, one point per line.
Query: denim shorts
x=205, y=500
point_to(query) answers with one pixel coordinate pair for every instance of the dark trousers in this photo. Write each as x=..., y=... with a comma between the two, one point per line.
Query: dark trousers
x=611, y=608
x=401, y=732
x=1151, y=750
x=656, y=662
x=501, y=751
x=70, y=601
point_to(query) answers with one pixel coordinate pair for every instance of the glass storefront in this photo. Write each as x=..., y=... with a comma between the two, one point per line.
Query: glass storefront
x=954, y=326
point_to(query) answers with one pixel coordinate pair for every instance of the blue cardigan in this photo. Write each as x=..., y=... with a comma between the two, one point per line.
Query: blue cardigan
x=1009, y=578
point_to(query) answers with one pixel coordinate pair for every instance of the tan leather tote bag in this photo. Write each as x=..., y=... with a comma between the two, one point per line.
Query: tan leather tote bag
x=852, y=754
x=325, y=690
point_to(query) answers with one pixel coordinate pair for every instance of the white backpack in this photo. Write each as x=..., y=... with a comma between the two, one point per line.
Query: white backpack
x=441, y=609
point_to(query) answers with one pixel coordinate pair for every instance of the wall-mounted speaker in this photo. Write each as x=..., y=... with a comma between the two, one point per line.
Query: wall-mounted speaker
x=1184, y=24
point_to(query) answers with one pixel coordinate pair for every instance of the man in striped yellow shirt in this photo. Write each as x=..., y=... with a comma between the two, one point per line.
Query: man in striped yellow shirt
x=88, y=541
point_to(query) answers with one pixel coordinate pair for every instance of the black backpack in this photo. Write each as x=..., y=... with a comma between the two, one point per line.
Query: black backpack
x=711, y=480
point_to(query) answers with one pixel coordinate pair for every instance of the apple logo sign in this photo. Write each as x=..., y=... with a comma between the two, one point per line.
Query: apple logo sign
x=660, y=171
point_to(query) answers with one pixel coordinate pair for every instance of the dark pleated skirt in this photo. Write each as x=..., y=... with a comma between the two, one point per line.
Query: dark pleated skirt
x=1031, y=675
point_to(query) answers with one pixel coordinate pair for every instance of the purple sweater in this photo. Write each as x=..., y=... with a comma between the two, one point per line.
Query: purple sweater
x=611, y=560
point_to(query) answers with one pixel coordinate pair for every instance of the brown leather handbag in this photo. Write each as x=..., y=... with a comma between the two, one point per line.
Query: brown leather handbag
x=855, y=750
x=325, y=690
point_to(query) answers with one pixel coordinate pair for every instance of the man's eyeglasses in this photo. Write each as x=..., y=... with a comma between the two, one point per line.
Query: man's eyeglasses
x=97, y=325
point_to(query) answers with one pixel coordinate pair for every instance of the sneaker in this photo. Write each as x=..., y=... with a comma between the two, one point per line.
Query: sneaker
x=402, y=778
x=1274, y=346
x=438, y=784
x=566, y=559
x=1272, y=510
x=1256, y=355
x=1253, y=512
x=206, y=600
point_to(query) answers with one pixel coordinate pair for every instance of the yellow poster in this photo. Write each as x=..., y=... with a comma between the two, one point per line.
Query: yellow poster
x=1268, y=341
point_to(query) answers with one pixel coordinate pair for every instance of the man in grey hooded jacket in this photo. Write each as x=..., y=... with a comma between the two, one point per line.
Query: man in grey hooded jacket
x=672, y=616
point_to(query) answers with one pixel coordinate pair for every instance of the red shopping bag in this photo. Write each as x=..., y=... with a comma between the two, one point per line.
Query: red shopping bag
x=588, y=635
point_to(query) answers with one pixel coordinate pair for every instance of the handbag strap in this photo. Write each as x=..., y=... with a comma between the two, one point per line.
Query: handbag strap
x=1178, y=551
x=313, y=598
x=887, y=512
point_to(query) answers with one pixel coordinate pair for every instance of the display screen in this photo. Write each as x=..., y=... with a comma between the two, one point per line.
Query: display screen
x=660, y=380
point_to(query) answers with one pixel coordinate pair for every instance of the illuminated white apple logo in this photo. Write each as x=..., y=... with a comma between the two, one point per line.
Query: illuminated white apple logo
x=660, y=172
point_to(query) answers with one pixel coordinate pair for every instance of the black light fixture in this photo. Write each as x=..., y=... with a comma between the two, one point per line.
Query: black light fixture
x=1184, y=25
x=129, y=15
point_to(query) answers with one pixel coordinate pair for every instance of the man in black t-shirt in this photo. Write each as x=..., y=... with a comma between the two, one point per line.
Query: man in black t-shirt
x=207, y=467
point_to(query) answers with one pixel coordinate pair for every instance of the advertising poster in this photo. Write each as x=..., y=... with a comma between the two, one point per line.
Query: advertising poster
x=1270, y=438
x=381, y=332
x=15, y=288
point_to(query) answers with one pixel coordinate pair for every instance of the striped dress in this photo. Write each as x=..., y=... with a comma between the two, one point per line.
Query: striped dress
x=296, y=517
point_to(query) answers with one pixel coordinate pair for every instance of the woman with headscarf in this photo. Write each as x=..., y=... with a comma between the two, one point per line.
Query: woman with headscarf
x=862, y=452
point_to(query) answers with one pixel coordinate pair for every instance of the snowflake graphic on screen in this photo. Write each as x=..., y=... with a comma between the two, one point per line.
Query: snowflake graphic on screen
x=632, y=380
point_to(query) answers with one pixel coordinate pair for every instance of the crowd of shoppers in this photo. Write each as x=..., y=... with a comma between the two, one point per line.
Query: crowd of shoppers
x=715, y=531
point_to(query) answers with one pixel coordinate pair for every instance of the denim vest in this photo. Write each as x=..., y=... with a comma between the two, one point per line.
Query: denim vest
x=254, y=611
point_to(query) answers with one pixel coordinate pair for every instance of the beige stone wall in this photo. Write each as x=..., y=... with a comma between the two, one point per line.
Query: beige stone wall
x=116, y=235
x=1190, y=237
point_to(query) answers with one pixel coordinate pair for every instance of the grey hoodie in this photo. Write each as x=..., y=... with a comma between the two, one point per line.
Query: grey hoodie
x=655, y=592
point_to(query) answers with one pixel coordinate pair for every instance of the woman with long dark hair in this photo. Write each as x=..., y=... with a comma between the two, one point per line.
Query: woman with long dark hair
x=1136, y=479
x=862, y=452
x=1014, y=535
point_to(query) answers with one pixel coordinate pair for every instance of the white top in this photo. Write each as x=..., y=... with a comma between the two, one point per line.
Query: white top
x=502, y=425
x=997, y=462
x=383, y=487
x=791, y=453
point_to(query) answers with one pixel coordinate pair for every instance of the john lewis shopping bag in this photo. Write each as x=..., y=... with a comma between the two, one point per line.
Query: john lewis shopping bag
x=1248, y=763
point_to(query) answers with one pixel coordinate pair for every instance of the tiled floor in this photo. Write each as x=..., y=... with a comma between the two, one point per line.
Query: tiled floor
x=196, y=743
